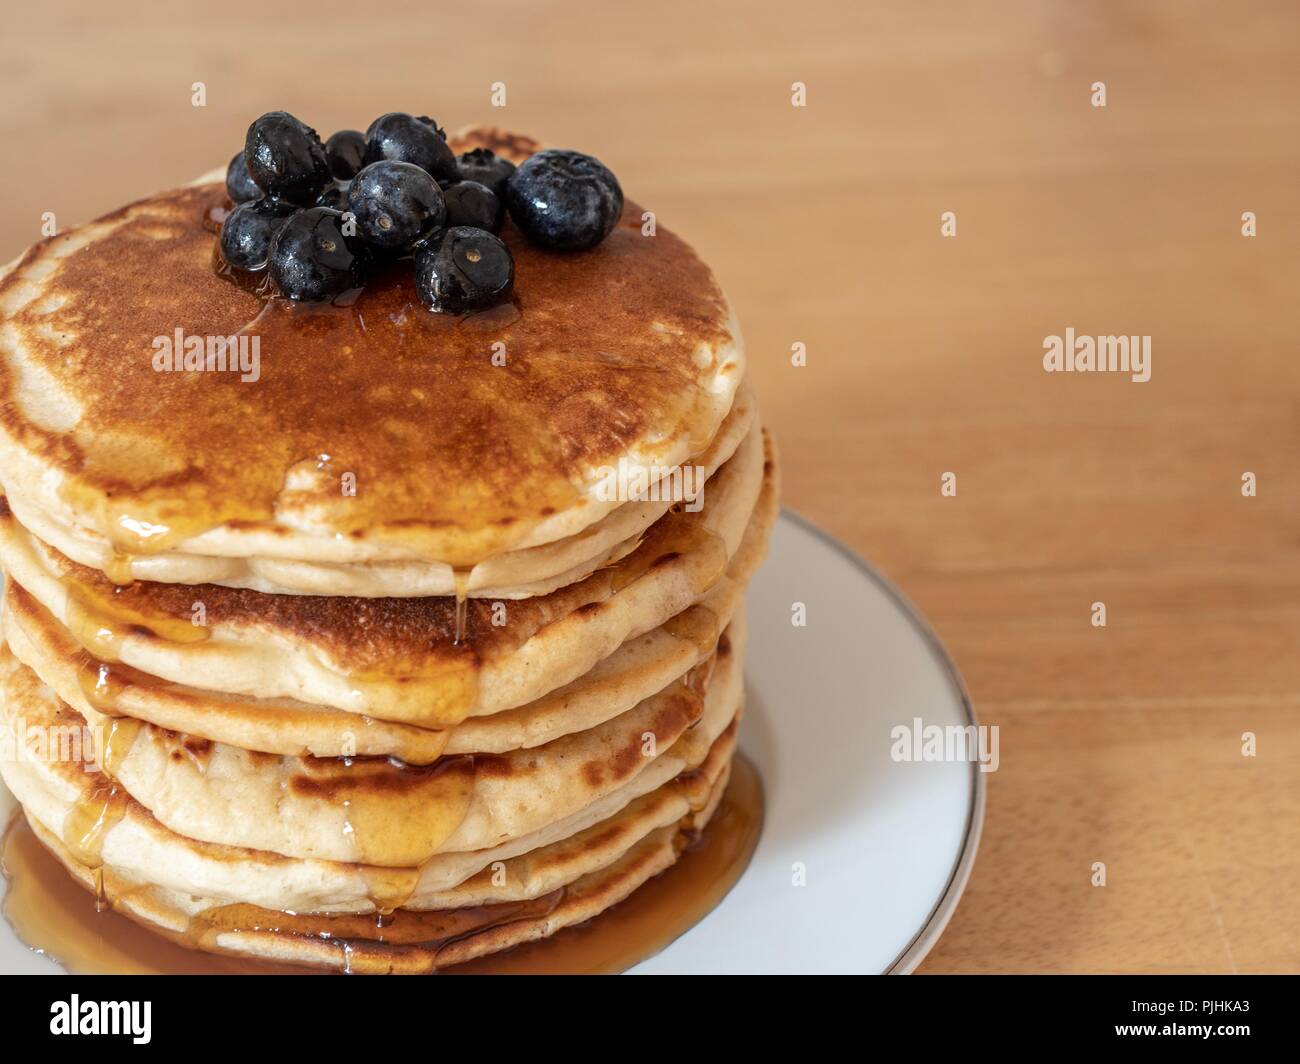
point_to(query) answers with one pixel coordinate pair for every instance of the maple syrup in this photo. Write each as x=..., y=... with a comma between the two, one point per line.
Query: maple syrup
x=460, y=578
x=104, y=685
x=101, y=623
x=385, y=833
x=117, y=740
x=87, y=824
x=433, y=693
x=430, y=691
x=117, y=567
x=389, y=889
x=116, y=690
x=698, y=625
x=52, y=913
x=675, y=534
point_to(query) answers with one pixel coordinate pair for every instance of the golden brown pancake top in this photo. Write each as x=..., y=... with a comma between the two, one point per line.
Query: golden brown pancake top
x=600, y=350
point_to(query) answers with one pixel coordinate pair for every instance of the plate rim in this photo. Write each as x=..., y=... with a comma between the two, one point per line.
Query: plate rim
x=925, y=938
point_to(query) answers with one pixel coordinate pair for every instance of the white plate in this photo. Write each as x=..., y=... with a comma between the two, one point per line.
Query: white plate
x=886, y=846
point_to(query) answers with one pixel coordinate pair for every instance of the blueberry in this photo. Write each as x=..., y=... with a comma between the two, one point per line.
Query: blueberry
x=248, y=231
x=564, y=200
x=470, y=269
x=240, y=186
x=396, y=204
x=335, y=196
x=286, y=158
x=346, y=151
x=404, y=139
x=433, y=124
x=487, y=168
x=311, y=259
x=472, y=204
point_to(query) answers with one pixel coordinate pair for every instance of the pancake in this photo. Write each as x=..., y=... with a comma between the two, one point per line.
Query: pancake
x=639, y=668
x=514, y=574
x=626, y=354
x=373, y=810
x=400, y=659
x=101, y=822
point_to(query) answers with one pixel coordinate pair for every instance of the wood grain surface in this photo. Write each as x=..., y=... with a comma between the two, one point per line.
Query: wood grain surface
x=1121, y=744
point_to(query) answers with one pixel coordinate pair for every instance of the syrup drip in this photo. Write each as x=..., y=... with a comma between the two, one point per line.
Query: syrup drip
x=102, y=685
x=675, y=534
x=393, y=835
x=89, y=821
x=101, y=623
x=430, y=694
x=136, y=528
x=117, y=568
x=51, y=912
x=118, y=739
x=698, y=625
x=697, y=680
x=87, y=824
x=256, y=281
x=461, y=578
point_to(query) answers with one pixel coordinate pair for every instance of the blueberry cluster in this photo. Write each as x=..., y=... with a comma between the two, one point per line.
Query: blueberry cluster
x=317, y=217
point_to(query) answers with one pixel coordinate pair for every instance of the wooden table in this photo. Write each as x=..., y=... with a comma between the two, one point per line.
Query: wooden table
x=1120, y=744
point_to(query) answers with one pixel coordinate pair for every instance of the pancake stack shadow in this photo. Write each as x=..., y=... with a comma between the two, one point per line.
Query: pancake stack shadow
x=351, y=666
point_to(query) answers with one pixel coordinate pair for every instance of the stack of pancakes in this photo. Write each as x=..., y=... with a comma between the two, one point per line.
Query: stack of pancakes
x=373, y=667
